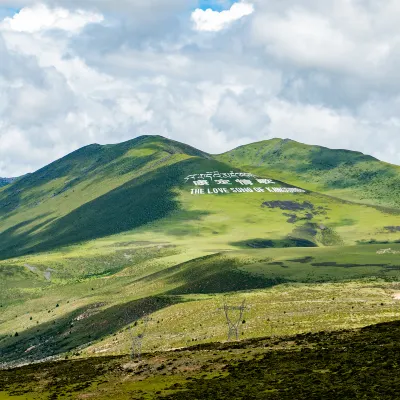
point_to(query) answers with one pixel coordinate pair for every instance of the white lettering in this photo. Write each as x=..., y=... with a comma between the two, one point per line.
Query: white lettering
x=197, y=191
x=223, y=182
x=265, y=181
x=201, y=182
x=244, y=181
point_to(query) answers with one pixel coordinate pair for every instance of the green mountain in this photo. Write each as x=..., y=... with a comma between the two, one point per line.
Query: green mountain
x=341, y=173
x=94, y=241
x=93, y=192
x=99, y=191
x=6, y=181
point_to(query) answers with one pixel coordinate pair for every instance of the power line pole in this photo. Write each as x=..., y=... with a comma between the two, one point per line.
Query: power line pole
x=232, y=322
x=137, y=339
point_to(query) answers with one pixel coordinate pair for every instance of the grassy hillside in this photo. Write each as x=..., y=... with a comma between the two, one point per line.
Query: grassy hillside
x=93, y=192
x=123, y=216
x=342, y=173
x=99, y=191
x=82, y=307
x=107, y=234
x=352, y=364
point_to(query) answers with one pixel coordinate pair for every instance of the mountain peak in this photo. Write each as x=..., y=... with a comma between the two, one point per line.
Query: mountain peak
x=352, y=174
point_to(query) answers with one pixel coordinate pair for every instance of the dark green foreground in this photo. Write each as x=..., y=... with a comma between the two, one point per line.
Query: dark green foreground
x=359, y=364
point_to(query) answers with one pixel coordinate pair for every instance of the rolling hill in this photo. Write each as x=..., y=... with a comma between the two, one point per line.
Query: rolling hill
x=341, y=173
x=94, y=241
x=92, y=192
x=99, y=191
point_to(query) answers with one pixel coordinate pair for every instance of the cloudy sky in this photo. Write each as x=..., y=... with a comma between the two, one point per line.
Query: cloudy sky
x=212, y=73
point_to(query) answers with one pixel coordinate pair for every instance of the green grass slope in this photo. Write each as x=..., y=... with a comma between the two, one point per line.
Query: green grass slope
x=82, y=308
x=113, y=228
x=93, y=192
x=342, y=173
x=99, y=191
x=352, y=364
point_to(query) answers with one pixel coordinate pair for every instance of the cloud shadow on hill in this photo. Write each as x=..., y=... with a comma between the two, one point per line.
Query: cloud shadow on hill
x=138, y=202
x=78, y=328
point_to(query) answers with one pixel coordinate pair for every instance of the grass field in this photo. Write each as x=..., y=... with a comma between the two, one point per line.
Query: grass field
x=96, y=241
x=349, y=364
x=87, y=305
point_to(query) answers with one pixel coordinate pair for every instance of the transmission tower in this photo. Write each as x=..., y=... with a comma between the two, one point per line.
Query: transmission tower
x=233, y=321
x=137, y=339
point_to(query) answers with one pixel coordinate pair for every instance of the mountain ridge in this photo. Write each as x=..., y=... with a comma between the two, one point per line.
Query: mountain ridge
x=292, y=141
x=340, y=173
x=102, y=190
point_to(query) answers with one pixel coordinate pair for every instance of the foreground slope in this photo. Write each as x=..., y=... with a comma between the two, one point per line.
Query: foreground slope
x=98, y=290
x=358, y=364
x=342, y=173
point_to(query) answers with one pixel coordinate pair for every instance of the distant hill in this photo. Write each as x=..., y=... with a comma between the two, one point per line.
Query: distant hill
x=149, y=183
x=6, y=181
x=345, y=174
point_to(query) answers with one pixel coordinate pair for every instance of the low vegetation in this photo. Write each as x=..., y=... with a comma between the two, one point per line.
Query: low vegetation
x=348, y=364
x=97, y=241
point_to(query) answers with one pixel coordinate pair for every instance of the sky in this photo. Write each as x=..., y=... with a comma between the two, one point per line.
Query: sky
x=213, y=74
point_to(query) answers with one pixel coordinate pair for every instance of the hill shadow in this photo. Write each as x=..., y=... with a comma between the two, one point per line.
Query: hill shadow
x=141, y=201
x=221, y=273
x=14, y=239
x=138, y=202
x=76, y=329
x=215, y=273
x=273, y=243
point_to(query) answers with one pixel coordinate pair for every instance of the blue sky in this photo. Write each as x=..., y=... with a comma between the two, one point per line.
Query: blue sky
x=217, y=5
x=7, y=12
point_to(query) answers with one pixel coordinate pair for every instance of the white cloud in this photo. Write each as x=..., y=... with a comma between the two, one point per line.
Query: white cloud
x=210, y=20
x=73, y=73
x=345, y=36
x=242, y=115
x=334, y=128
x=40, y=17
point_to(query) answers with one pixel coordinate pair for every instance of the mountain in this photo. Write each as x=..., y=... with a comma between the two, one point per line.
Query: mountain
x=99, y=191
x=92, y=242
x=6, y=181
x=341, y=173
x=92, y=192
